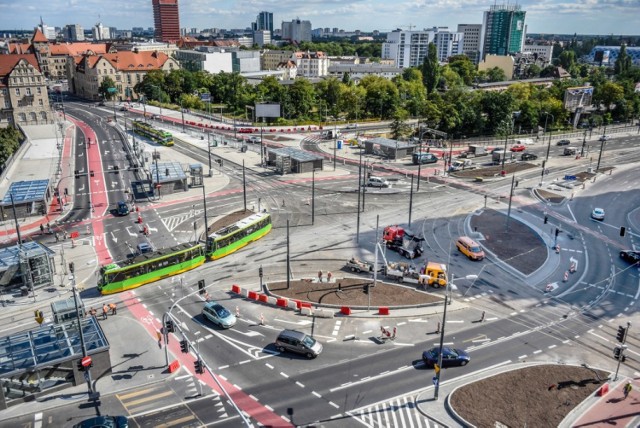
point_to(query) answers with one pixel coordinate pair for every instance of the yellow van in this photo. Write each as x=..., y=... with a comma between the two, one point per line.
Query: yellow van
x=470, y=248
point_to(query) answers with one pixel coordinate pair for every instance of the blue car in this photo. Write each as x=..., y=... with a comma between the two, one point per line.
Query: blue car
x=218, y=314
x=450, y=357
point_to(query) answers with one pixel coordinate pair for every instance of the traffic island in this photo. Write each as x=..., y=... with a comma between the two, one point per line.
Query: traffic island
x=540, y=395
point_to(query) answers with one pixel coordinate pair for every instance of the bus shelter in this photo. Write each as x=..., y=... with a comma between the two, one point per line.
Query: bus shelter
x=170, y=176
x=291, y=160
x=47, y=359
x=26, y=266
x=30, y=198
x=387, y=148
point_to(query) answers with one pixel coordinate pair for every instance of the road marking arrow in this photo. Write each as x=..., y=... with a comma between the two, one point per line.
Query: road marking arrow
x=114, y=238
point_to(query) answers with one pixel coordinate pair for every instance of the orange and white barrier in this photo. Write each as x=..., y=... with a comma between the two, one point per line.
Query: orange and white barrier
x=565, y=278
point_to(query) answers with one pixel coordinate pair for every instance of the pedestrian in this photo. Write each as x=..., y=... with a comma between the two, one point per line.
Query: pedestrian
x=482, y=317
x=41, y=229
x=48, y=228
x=105, y=311
x=627, y=389
x=93, y=312
x=159, y=339
x=56, y=236
x=64, y=235
x=114, y=308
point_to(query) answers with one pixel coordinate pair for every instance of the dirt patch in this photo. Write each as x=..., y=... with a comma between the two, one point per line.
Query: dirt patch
x=494, y=171
x=228, y=220
x=540, y=396
x=549, y=196
x=353, y=293
x=518, y=245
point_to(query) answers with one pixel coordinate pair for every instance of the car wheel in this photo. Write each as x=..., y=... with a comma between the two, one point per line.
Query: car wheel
x=280, y=348
x=309, y=355
x=464, y=362
x=436, y=284
x=353, y=269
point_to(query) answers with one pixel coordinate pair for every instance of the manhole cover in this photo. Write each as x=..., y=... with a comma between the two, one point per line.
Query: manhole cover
x=150, y=376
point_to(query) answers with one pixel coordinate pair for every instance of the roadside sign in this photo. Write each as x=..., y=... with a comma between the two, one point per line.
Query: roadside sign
x=86, y=361
x=436, y=368
x=112, y=90
x=570, y=177
x=435, y=380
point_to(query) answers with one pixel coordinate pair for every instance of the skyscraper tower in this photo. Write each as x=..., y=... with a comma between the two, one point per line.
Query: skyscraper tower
x=264, y=21
x=166, y=19
x=503, y=30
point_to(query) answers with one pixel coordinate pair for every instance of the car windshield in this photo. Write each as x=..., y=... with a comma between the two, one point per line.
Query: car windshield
x=308, y=341
x=221, y=311
x=475, y=249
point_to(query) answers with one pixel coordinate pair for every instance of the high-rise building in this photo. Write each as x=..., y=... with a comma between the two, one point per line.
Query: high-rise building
x=166, y=19
x=73, y=33
x=503, y=30
x=408, y=48
x=471, y=41
x=100, y=32
x=296, y=30
x=261, y=37
x=264, y=21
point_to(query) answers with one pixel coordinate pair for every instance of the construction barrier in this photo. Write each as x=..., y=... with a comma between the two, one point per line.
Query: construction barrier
x=383, y=310
x=235, y=289
x=74, y=235
x=271, y=300
x=292, y=304
x=174, y=366
x=306, y=311
x=324, y=313
x=572, y=268
x=263, y=298
x=602, y=391
x=253, y=295
x=283, y=303
x=345, y=310
x=565, y=278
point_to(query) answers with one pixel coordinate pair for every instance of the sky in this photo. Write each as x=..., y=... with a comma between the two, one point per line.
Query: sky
x=543, y=16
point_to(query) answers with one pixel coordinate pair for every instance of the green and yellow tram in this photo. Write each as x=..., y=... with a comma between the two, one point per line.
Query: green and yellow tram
x=148, y=131
x=231, y=238
x=149, y=267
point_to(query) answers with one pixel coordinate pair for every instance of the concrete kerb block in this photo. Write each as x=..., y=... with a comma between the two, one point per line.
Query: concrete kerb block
x=291, y=304
x=304, y=310
x=324, y=313
x=244, y=292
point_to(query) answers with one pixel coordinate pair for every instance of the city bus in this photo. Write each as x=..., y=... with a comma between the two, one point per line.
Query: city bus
x=148, y=131
x=149, y=267
x=231, y=238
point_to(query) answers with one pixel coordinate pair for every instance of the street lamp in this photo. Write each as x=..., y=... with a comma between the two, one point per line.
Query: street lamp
x=447, y=301
x=182, y=111
x=545, y=131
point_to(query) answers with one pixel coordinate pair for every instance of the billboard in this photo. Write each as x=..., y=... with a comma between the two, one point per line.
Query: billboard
x=267, y=110
x=578, y=96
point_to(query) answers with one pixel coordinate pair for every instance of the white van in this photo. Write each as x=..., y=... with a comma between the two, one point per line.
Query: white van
x=377, y=182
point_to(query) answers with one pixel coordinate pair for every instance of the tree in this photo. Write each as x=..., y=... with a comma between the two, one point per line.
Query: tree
x=567, y=59
x=462, y=65
x=107, y=83
x=10, y=138
x=399, y=128
x=608, y=94
x=496, y=74
x=623, y=63
x=301, y=98
x=431, y=69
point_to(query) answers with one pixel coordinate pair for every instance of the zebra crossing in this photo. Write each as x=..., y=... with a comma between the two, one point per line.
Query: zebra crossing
x=172, y=222
x=400, y=412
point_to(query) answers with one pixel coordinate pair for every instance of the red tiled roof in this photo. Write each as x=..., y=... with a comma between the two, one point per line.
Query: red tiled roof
x=8, y=62
x=74, y=49
x=38, y=37
x=130, y=61
x=19, y=48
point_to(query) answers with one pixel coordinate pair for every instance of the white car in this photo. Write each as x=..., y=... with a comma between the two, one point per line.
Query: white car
x=351, y=126
x=597, y=214
x=255, y=140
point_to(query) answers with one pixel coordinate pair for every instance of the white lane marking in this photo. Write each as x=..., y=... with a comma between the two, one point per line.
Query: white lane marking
x=522, y=357
x=316, y=394
x=379, y=376
x=537, y=352
x=284, y=375
x=269, y=365
x=334, y=404
x=300, y=385
x=223, y=367
x=254, y=398
x=552, y=346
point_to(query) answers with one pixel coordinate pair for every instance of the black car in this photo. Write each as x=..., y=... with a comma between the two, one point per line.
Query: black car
x=528, y=156
x=104, y=422
x=450, y=357
x=630, y=256
x=563, y=143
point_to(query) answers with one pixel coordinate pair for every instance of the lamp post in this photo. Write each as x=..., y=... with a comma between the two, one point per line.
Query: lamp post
x=545, y=131
x=182, y=111
x=584, y=143
x=603, y=140
x=447, y=301
x=335, y=144
x=80, y=331
x=313, y=196
x=206, y=221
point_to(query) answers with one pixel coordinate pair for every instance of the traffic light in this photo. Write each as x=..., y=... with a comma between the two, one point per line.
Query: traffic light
x=91, y=173
x=66, y=191
x=39, y=316
x=622, y=230
x=170, y=327
x=621, y=334
x=198, y=366
x=260, y=271
x=618, y=355
x=366, y=288
x=72, y=267
x=76, y=173
x=201, y=286
x=546, y=219
x=116, y=169
x=557, y=232
x=184, y=346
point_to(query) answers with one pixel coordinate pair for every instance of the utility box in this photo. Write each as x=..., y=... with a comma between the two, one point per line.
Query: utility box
x=65, y=310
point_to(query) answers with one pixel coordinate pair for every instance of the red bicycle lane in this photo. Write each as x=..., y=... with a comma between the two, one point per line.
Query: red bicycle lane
x=257, y=411
x=97, y=190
